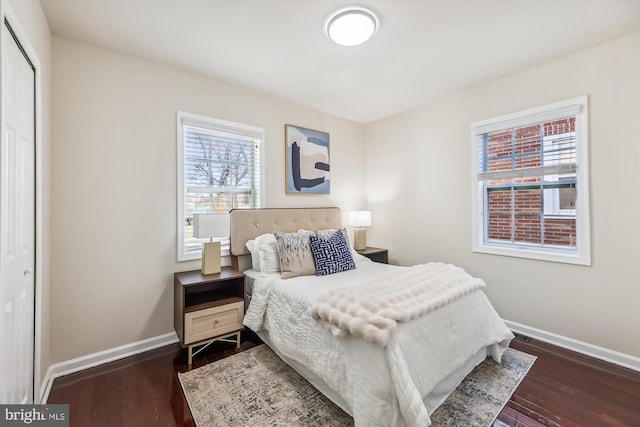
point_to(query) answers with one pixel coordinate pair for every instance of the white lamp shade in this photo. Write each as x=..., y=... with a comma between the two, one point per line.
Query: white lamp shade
x=360, y=218
x=211, y=225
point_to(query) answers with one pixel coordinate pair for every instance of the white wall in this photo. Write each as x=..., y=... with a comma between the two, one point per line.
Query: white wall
x=418, y=184
x=114, y=187
x=28, y=20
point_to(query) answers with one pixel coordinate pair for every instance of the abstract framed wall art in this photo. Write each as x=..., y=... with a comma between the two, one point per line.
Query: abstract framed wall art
x=307, y=161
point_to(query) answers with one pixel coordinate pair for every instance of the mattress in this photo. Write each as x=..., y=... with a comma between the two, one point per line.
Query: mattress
x=396, y=385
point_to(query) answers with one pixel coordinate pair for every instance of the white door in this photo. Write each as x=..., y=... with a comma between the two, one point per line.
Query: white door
x=17, y=224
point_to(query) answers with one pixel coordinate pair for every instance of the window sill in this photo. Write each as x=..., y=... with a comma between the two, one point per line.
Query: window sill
x=566, y=257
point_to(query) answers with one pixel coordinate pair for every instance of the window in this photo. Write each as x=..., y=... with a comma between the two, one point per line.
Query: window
x=218, y=170
x=530, y=196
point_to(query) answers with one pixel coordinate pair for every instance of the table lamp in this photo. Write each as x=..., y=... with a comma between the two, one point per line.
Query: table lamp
x=360, y=219
x=211, y=226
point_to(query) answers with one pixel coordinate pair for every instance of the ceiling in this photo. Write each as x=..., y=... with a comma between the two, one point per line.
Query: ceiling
x=422, y=50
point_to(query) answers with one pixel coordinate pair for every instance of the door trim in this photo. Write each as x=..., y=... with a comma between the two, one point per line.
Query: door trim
x=6, y=13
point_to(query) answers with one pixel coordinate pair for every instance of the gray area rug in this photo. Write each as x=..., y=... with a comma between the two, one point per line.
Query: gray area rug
x=256, y=388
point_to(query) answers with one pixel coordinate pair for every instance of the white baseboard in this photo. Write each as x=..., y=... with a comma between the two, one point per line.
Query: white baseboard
x=89, y=361
x=602, y=353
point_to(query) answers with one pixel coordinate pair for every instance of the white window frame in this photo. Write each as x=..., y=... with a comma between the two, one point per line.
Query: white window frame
x=581, y=254
x=182, y=119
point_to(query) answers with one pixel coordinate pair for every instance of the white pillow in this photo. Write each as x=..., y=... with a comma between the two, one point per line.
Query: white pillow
x=268, y=253
x=255, y=255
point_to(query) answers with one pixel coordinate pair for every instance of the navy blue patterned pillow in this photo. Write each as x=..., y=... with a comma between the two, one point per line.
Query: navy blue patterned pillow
x=331, y=255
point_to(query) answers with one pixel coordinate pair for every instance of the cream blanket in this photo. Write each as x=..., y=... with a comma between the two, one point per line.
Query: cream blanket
x=372, y=310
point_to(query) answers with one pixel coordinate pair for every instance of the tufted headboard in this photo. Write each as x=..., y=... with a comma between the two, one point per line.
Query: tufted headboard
x=247, y=224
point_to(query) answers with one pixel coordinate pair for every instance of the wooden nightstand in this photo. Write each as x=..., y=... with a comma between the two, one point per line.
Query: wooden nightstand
x=208, y=308
x=375, y=254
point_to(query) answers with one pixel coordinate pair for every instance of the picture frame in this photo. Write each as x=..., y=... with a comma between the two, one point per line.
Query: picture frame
x=307, y=161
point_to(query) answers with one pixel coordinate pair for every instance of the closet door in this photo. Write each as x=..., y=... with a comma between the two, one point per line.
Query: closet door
x=17, y=223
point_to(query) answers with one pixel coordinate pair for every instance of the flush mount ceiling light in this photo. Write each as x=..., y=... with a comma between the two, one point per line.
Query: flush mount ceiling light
x=351, y=27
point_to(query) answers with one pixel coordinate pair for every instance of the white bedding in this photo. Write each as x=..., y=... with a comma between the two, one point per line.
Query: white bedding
x=373, y=309
x=377, y=386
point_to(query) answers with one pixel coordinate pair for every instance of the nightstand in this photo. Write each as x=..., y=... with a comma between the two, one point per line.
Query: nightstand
x=208, y=308
x=375, y=254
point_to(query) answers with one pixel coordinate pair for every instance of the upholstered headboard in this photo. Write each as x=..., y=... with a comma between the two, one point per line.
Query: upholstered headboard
x=247, y=224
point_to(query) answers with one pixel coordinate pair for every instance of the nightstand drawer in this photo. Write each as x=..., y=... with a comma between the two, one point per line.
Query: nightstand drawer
x=208, y=323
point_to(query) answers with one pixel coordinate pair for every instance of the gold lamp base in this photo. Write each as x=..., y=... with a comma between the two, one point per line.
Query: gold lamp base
x=211, y=258
x=360, y=239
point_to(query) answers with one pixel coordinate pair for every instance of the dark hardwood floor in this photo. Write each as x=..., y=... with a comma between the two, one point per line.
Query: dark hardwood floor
x=563, y=388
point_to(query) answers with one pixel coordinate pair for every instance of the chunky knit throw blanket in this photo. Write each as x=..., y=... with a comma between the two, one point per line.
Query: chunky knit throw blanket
x=372, y=310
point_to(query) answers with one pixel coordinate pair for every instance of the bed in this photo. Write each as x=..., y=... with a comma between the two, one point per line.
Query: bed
x=399, y=381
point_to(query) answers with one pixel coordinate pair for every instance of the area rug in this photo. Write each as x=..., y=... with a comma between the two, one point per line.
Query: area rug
x=256, y=388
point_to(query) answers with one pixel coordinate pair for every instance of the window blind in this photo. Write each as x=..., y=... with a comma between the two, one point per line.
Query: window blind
x=535, y=115
x=222, y=167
